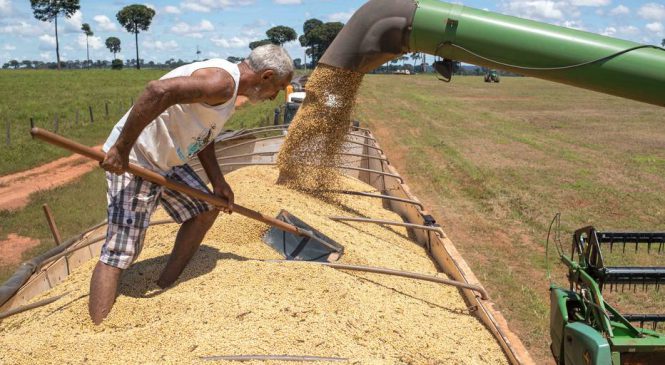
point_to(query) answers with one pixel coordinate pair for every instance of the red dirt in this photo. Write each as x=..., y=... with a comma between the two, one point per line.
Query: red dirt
x=13, y=247
x=15, y=189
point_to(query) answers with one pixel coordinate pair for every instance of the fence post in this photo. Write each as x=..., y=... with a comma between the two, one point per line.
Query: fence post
x=32, y=123
x=92, y=119
x=9, y=141
x=77, y=117
x=132, y=102
x=106, y=107
x=55, y=123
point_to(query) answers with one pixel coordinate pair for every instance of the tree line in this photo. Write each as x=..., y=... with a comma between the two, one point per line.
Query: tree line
x=317, y=36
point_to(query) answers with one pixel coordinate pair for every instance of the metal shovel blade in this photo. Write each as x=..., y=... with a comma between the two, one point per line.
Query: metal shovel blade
x=319, y=247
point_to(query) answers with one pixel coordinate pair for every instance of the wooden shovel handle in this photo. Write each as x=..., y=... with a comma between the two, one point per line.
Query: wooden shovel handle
x=156, y=178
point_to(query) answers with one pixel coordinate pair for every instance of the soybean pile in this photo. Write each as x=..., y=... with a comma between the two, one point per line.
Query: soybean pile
x=316, y=136
x=229, y=302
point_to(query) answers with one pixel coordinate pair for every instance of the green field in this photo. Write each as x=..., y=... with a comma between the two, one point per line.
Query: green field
x=493, y=163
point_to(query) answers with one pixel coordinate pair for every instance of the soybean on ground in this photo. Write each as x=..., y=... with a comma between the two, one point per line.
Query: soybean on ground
x=227, y=302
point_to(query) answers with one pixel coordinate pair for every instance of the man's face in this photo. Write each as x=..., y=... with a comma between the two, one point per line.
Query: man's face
x=268, y=87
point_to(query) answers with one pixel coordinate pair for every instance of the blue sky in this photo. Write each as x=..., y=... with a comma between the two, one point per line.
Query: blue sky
x=222, y=28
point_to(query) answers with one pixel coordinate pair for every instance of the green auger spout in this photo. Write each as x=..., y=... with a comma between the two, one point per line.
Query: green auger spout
x=383, y=29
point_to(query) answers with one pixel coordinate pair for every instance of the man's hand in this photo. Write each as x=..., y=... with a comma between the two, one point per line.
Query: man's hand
x=223, y=190
x=115, y=161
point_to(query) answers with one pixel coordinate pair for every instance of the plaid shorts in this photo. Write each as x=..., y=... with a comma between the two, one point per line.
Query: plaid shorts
x=131, y=202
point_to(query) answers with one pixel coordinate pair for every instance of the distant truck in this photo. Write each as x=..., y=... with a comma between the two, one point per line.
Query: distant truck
x=492, y=76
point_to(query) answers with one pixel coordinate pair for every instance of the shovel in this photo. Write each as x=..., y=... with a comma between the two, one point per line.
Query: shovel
x=156, y=178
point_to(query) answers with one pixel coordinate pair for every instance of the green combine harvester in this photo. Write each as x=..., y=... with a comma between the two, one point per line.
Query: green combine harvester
x=584, y=328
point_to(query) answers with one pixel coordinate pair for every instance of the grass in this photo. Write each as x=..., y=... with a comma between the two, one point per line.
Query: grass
x=44, y=95
x=495, y=162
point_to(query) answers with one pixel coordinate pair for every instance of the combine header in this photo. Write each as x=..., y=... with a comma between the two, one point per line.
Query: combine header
x=584, y=328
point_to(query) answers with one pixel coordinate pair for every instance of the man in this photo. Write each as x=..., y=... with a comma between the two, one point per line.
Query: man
x=174, y=119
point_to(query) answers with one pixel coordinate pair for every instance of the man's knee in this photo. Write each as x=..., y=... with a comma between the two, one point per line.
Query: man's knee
x=207, y=218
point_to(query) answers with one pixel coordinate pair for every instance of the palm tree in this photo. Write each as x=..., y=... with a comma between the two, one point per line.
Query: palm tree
x=85, y=27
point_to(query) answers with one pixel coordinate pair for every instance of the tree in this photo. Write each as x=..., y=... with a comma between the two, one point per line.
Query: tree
x=27, y=63
x=14, y=64
x=113, y=44
x=318, y=37
x=415, y=57
x=234, y=59
x=297, y=63
x=260, y=43
x=48, y=11
x=281, y=34
x=85, y=27
x=136, y=18
x=662, y=43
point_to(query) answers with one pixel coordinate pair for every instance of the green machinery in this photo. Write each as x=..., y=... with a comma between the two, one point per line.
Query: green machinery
x=584, y=328
x=492, y=76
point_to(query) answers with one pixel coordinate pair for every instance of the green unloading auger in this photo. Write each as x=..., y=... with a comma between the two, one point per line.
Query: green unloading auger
x=384, y=29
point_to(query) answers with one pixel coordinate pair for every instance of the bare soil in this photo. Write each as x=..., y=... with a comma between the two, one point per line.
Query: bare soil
x=13, y=247
x=15, y=189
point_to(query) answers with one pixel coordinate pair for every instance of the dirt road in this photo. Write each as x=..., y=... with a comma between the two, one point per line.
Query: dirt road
x=15, y=189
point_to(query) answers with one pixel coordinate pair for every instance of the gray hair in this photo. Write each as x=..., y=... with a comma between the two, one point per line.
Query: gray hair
x=271, y=57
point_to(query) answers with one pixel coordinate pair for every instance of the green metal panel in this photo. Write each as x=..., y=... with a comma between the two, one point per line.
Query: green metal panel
x=558, y=320
x=584, y=345
x=638, y=75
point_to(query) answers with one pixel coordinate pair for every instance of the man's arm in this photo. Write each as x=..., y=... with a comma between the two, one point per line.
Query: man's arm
x=220, y=187
x=212, y=86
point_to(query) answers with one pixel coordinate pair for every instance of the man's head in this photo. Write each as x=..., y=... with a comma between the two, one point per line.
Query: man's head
x=273, y=69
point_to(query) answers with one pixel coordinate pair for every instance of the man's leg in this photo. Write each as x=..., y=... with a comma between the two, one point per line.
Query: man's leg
x=131, y=201
x=103, y=289
x=187, y=241
x=196, y=217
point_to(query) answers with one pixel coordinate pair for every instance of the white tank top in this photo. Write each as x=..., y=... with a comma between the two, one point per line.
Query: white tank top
x=182, y=130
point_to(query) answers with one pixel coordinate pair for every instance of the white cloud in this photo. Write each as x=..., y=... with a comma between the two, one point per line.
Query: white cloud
x=656, y=27
x=9, y=47
x=214, y=55
x=104, y=23
x=340, y=17
x=288, y=2
x=193, y=31
x=205, y=6
x=23, y=28
x=46, y=55
x=573, y=24
x=652, y=11
x=160, y=46
x=5, y=7
x=620, y=10
x=73, y=24
x=590, y=2
x=628, y=30
x=609, y=31
x=170, y=9
x=195, y=7
x=48, y=39
x=536, y=9
x=233, y=42
x=94, y=42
